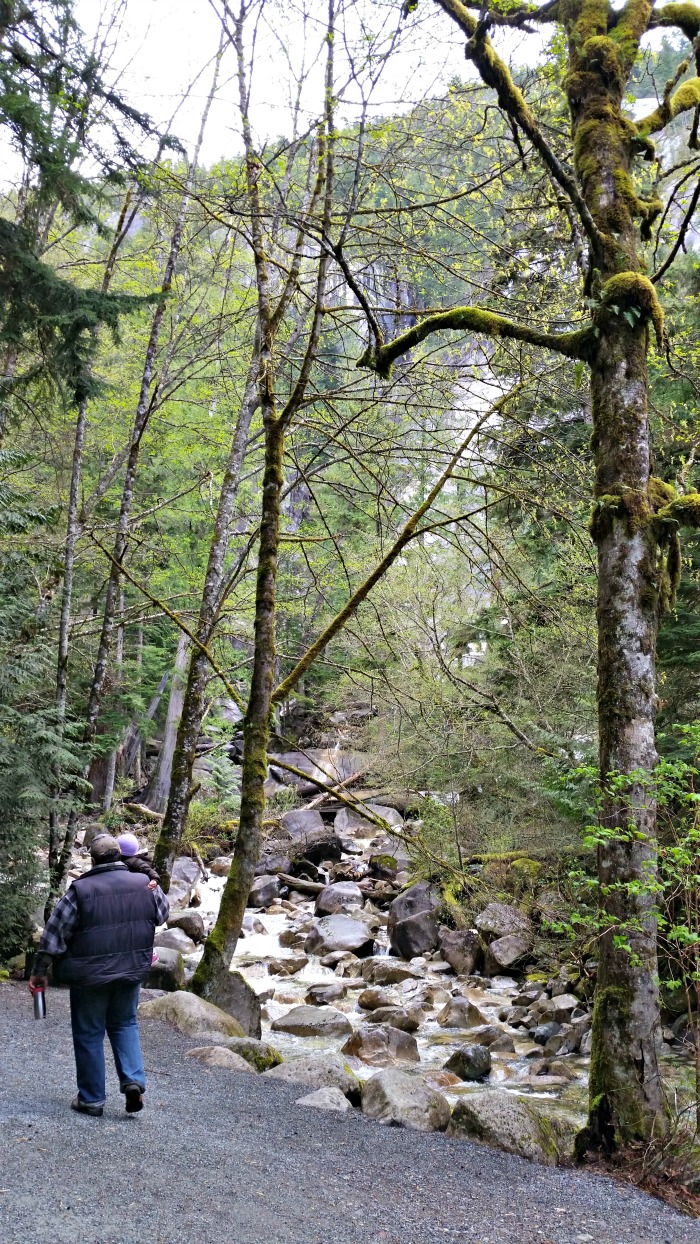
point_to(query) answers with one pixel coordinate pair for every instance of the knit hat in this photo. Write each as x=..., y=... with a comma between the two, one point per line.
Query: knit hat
x=104, y=849
x=128, y=844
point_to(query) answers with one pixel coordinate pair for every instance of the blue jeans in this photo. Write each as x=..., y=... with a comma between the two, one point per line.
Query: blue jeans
x=95, y=1010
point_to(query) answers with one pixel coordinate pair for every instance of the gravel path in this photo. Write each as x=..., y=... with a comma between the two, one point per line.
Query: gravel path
x=221, y=1158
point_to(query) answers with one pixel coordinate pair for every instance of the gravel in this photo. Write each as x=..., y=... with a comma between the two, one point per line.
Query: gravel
x=218, y=1157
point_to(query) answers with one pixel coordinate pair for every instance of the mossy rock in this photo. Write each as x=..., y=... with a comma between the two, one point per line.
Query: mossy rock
x=515, y=1125
x=259, y=1054
x=526, y=870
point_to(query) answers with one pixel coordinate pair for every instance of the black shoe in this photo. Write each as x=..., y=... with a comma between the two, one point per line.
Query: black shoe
x=84, y=1107
x=133, y=1095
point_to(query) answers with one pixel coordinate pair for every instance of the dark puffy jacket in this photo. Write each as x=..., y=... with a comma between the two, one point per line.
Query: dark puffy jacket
x=114, y=937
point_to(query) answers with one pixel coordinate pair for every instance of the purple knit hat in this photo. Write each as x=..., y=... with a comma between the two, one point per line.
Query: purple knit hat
x=128, y=844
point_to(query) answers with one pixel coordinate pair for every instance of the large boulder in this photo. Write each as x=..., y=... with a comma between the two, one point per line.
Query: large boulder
x=402, y=1100
x=460, y=1013
x=382, y=1045
x=321, y=995
x=418, y=898
x=220, y=1056
x=341, y=897
x=417, y=935
x=506, y=952
x=174, y=939
x=396, y=1016
x=309, y=837
x=501, y=920
x=388, y=971
x=192, y=1016
x=510, y=1123
x=259, y=1054
x=264, y=891
x=287, y=966
x=167, y=972
x=460, y=948
x=191, y=923
x=184, y=877
x=470, y=1062
x=339, y=933
x=327, y=764
x=313, y=1021
x=232, y=993
x=351, y=820
x=318, y=1071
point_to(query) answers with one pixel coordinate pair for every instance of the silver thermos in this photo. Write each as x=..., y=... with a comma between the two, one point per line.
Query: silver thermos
x=39, y=996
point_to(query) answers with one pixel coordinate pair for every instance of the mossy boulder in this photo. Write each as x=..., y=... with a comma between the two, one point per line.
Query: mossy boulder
x=192, y=1016
x=220, y=1056
x=517, y=1126
x=259, y=1054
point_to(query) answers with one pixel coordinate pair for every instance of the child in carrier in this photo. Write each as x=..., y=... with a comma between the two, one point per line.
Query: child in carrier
x=136, y=860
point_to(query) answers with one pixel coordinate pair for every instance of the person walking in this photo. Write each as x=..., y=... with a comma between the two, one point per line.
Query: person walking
x=99, y=939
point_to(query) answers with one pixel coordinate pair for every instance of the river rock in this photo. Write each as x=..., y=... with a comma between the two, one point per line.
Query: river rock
x=560, y=1008
x=168, y=971
x=396, y=1016
x=259, y=1054
x=232, y=993
x=351, y=820
x=501, y=920
x=370, y=999
x=192, y=1015
x=318, y=1071
x=543, y=1032
x=506, y=952
x=220, y=1056
x=417, y=935
x=309, y=836
x=510, y=1123
x=402, y=1100
x=190, y=922
x=252, y=924
x=460, y=1013
x=339, y=933
x=381, y=1046
x=313, y=1021
x=220, y=867
x=460, y=948
x=418, y=898
x=321, y=995
x=264, y=891
x=174, y=939
x=326, y=1099
x=287, y=966
x=341, y=896
x=386, y=971
x=469, y=1062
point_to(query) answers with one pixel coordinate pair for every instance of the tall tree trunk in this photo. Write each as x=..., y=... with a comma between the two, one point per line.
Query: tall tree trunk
x=156, y=796
x=199, y=670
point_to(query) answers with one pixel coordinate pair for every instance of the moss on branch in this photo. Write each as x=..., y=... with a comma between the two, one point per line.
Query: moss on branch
x=685, y=17
x=576, y=345
x=684, y=99
x=632, y=291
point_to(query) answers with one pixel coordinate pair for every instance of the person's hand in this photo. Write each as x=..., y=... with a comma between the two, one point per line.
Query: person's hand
x=37, y=982
x=153, y=885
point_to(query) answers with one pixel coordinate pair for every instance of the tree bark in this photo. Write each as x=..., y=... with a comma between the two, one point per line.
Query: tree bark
x=156, y=796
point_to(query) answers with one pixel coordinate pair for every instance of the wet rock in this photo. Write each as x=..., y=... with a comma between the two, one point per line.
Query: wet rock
x=220, y=866
x=585, y=1044
x=322, y=995
x=491, y=1035
x=387, y=971
x=191, y=1015
x=186, y=870
x=396, y=1016
x=339, y=933
x=560, y=1008
x=252, y=924
x=370, y=999
x=381, y=1046
x=543, y=1032
x=460, y=1013
x=350, y=821
x=326, y=1099
x=336, y=957
x=416, y=935
x=220, y=1056
x=418, y=898
x=514, y=1015
x=190, y=922
x=168, y=971
x=288, y=966
x=560, y=1067
x=264, y=891
x=402, y=1100
x=460, y=948
x=341, y=896
x=309, y=837
x=318, y=1071
x=506, y=952
x=517, y=1126
x=174, y=939
x=326, y=764
x=293, y=937
x=470, y=1062
x=313, y=1021
x=499, y=920
x=383, y=866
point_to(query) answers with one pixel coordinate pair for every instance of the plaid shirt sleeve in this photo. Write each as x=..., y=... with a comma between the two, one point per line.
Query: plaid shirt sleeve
x=60, y=926
x=162, y=905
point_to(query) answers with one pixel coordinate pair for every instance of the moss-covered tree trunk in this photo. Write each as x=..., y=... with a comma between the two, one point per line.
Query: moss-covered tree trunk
x=221, y=943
